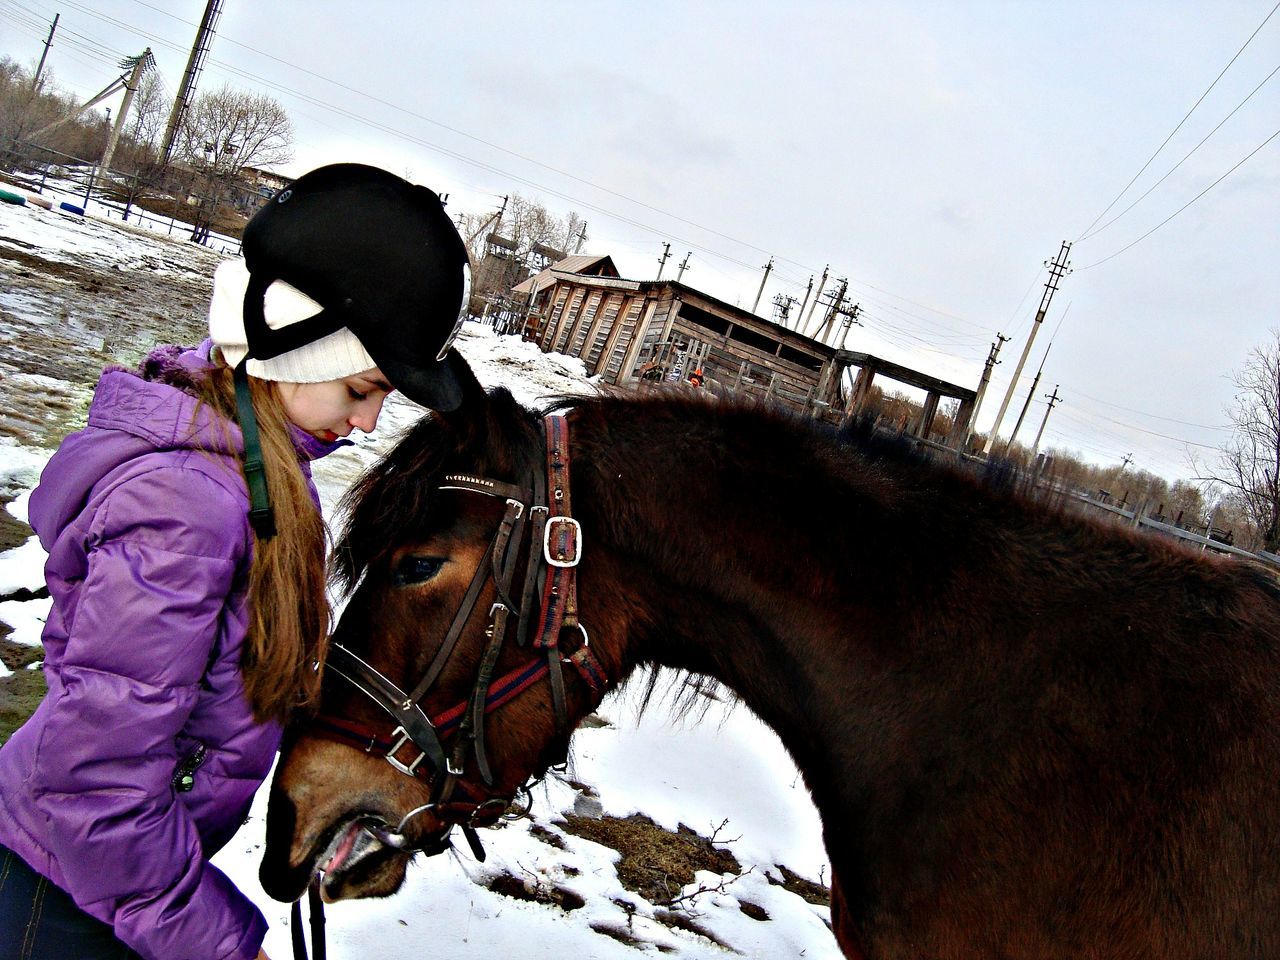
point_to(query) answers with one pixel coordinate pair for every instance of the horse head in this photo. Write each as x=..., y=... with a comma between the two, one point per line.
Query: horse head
x=443, y=697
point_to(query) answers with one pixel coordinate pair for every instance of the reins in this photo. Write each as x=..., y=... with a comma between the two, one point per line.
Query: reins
x=542, y=510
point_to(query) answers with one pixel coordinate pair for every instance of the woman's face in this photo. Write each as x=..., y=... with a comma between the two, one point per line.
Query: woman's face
x=333, y=408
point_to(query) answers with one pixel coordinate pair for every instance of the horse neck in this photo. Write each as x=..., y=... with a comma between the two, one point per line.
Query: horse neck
x=747, y=549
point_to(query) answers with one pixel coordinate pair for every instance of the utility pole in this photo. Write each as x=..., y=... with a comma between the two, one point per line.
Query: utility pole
x=847, y=319
x=141, y=64
x=1054, y=400
x=684, y=265
x=1027, y=403
x=195, y=63
x=835, y=307
x=804, y=302
x=822, y=283
x=582, y=237
x=765, y=279
x=35, y=83
x=1128, y=459
x=495, y=219
x=1057, y=269
x=782, y=305
x=666, y=252
x=1001, y=340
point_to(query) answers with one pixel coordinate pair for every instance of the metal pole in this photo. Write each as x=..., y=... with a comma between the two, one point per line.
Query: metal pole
x=35, y=82
x=1054, y=400
x=813, y=306
x=804, y=303
x=765, y=279
x=131, y=87
x=1057, y=270
x=1027, y=403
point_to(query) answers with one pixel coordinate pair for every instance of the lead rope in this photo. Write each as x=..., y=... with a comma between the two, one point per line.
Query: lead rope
x=316, y=909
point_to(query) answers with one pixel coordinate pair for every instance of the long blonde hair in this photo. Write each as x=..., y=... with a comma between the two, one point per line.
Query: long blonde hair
x=287, y=637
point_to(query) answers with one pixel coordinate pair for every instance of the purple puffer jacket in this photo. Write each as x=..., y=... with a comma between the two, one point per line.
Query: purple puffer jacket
x=145, y=519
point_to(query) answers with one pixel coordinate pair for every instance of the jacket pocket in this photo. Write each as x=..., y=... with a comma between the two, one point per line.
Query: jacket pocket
x=184, y=776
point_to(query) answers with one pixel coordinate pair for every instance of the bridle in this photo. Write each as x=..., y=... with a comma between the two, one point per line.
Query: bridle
x=419, y=744
x=542, y=510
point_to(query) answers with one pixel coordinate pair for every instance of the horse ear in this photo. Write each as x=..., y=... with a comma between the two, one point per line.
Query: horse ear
x=473, y=394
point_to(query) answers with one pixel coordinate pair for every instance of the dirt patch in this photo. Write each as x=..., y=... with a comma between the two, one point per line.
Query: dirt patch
x=656, y=863
x=509, y=885
x=13, y=532
x=549, y=837
x=802, y=888
x=678, y=920
x=62, y=320
x=621, y=934
x=753, y=910
x=21, y=692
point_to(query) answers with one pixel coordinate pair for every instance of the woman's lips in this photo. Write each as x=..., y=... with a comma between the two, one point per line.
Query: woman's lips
x=327, y=435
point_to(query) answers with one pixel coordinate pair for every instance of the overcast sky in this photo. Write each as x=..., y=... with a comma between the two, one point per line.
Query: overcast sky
x=935, y=154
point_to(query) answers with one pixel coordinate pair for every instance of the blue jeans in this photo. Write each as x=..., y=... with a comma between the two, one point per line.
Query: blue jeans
x=40, y=922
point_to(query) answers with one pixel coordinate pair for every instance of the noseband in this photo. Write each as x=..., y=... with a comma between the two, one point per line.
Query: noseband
x=417, y=745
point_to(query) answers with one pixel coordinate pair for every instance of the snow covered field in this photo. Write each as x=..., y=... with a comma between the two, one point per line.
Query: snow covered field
x=75, y=294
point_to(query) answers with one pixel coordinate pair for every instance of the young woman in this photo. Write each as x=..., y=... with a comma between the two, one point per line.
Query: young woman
x=187, y=568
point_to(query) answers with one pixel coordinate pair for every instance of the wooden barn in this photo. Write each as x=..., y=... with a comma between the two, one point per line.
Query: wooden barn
x=633, y=332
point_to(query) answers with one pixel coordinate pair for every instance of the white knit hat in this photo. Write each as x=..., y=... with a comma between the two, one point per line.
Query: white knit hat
x=333, y=357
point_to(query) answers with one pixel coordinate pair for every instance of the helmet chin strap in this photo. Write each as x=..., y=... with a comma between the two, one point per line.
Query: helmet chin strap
x=261, y=517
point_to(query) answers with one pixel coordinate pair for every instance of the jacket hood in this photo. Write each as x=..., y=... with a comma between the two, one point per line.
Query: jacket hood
x=134, y=413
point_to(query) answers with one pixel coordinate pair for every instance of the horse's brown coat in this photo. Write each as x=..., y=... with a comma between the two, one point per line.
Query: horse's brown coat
x=1028, y=735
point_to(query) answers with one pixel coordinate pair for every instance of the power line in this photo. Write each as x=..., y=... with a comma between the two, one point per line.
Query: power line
x=1147, y=192
x=1156, y=416
x=1181, y=122
x=1185, y=205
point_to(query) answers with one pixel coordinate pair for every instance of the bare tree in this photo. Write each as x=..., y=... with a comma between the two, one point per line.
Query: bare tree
x=528, y=232
x=149, y=112
x=227, y=130
x=224, y=132
x=1249, y=465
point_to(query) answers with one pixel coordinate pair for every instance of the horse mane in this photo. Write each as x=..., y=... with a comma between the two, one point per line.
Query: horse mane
x=499, y=437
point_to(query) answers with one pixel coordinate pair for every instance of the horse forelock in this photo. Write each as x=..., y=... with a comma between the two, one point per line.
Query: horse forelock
x=392, y=501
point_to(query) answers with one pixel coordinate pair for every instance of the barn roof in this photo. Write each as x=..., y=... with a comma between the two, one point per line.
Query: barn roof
x=578, y=264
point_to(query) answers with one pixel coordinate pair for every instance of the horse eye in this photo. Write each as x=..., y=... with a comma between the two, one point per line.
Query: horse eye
x=413, y=570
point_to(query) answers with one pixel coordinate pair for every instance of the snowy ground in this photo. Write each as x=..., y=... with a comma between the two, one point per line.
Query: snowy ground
x=75, y=294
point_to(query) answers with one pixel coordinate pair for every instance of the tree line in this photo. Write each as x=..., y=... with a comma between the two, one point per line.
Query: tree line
x=223, y=134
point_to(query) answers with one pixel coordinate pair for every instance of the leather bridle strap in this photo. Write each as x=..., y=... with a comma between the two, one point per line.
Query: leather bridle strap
x=562, y=551
x=414, y=725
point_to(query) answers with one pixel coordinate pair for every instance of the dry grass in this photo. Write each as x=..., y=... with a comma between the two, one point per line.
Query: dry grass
x=656, y=863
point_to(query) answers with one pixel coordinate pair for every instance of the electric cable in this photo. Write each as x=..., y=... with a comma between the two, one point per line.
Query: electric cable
x=1181, y=122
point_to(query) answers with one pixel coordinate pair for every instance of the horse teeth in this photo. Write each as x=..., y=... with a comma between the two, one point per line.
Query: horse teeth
x=351, y=845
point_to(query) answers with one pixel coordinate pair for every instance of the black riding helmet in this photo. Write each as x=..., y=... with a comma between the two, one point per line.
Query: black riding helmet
x=381, y=257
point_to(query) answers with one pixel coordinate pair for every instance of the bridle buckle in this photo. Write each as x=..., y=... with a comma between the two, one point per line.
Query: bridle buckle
x=550, y=530
x=399, y=737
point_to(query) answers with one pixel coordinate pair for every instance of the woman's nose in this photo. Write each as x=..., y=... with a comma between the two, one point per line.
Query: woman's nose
x=366, y=416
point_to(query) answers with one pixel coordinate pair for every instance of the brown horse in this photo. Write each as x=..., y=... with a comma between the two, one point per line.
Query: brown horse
x=1028, y=734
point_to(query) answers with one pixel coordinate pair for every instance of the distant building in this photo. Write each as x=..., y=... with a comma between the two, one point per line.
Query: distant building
x=637, y=331
x=264, y=183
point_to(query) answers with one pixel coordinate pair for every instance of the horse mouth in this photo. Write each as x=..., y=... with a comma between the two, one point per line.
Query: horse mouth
x=352, y=862
x=364, y=857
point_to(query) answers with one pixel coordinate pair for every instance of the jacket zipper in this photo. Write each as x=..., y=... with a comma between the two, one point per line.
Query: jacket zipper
x=184, y=778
